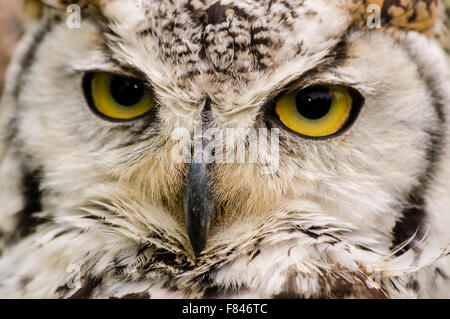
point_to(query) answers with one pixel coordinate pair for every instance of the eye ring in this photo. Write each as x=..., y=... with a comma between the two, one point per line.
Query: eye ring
x=288, y=100
x=117, y=98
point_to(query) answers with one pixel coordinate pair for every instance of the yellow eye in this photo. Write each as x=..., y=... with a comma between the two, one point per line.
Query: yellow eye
x=117, y=97
x=318, y=111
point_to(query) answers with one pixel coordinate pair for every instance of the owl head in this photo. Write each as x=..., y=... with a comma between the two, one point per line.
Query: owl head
x=195, y=148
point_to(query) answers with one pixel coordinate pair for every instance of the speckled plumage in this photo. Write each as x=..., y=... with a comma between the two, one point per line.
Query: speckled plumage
x=364, y=214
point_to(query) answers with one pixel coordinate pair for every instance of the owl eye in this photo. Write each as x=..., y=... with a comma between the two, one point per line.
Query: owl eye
x=117, y=97
x=319, y=111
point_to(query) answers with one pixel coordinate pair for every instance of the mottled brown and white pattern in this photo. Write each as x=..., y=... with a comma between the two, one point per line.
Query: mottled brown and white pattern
x=363, y=214
x=419, y=15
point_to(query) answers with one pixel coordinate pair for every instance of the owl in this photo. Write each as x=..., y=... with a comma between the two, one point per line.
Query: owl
x=116, y=179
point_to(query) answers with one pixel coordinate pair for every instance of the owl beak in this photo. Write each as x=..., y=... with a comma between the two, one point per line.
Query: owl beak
x=198, y=206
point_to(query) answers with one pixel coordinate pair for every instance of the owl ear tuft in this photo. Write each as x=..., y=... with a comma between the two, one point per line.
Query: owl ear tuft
x=405, y=15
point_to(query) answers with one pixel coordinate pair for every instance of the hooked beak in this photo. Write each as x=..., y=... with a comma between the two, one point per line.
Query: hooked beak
x=198, y=206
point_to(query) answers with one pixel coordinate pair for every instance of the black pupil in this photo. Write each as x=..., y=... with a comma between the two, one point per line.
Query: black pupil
x=126, y=91
x=314, y=103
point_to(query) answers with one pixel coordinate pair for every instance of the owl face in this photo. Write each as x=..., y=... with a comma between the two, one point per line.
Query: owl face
x=360, y=125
